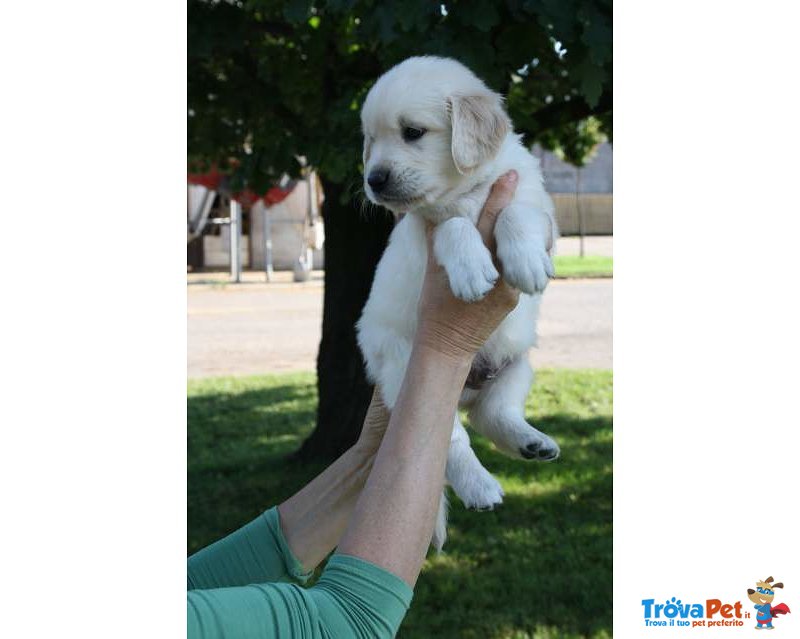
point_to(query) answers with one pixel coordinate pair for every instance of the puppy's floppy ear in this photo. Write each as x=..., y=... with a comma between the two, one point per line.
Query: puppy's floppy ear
x=479, y=125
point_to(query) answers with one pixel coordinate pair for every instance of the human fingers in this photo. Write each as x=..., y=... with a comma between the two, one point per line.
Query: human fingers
x=499, y=198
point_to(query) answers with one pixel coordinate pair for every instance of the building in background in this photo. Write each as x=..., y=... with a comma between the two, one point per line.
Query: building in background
x=583, y=197
x=295, y=230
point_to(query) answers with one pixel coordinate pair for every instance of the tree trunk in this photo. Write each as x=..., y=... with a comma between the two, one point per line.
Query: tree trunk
x=354, y=242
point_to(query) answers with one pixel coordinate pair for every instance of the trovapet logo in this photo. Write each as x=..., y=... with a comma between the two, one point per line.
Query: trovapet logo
x=674, y=612
x=762, y=596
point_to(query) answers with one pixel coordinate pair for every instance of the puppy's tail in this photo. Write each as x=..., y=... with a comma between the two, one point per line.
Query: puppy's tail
x=440, y=530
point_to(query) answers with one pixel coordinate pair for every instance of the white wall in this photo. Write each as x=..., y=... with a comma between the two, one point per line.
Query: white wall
x=595, y=191
x=288, y=225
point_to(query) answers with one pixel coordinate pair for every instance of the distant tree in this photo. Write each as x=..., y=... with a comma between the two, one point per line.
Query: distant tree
x=269, y=82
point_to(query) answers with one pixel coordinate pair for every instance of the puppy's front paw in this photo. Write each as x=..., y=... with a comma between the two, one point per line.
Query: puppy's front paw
x=527, y=268
x=458, y=247
x=470, y=281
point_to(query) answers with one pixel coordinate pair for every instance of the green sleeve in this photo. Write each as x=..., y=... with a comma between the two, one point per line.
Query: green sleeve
x=353, y=599
x=256, y=553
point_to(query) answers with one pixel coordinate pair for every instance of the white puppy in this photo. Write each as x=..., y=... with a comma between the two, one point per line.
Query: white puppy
x=435, y=140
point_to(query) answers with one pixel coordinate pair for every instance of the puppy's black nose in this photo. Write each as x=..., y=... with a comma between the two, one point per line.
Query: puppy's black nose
x=378, y=179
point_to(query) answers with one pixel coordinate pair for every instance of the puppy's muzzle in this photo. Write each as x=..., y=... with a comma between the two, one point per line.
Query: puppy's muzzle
x=378, y=180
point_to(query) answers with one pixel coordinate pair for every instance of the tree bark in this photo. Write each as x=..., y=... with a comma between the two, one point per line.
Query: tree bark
x=354, y=242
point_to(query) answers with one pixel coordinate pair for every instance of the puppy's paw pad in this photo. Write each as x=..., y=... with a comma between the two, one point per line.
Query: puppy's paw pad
x=540, y=448
x=529, y=271
x=534, y=451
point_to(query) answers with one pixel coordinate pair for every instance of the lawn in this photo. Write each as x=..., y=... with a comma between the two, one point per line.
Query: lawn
x=588, y=266
x=538, y=567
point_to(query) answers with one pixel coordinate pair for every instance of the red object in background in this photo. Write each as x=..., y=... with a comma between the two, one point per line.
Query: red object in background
x=210, y=179
x=246, y=198
x=274, y=196
x=277, y=195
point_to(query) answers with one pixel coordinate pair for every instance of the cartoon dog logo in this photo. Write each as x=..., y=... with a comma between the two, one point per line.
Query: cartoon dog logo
x=762, y=596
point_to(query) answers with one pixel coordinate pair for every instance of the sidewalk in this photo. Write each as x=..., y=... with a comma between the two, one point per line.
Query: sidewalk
x=602, y=245
x=256, y=327
x=280, y=279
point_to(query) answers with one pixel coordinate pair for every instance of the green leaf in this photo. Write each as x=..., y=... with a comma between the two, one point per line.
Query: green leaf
x=290, y=80
x=416, y=14
x=386, y=23
x=296, y=11
x=592, y=78
x=597, y=35
x=482, y=15
x=340, y=6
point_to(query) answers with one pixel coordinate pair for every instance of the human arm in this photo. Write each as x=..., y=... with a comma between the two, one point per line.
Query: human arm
x=286, y=543
x=233, y=589
x=314, y=519
x=393, y=520
x=364, y=591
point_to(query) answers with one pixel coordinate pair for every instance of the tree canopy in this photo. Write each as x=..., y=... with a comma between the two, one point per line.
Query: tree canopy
x=271, y=81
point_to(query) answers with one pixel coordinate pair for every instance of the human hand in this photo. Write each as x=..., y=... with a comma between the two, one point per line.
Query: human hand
x=454, y=327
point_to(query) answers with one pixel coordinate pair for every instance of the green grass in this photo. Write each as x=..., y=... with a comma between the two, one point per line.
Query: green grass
x=588, y=266
x=538, y=567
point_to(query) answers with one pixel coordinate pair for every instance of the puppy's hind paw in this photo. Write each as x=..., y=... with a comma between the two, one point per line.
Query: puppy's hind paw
x=480, y=491
x=541, y=448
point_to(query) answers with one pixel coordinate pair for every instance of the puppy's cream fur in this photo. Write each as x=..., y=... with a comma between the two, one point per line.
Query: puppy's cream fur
x=445, y=176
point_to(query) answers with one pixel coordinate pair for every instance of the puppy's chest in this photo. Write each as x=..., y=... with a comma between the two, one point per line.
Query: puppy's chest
x=468, y=205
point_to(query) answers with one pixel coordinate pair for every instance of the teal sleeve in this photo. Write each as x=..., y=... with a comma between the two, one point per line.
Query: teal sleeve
x=256, y=553
x=352, y=599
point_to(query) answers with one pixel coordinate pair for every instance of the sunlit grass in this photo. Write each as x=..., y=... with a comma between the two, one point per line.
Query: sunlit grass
x=588, y=266
x=539, y=567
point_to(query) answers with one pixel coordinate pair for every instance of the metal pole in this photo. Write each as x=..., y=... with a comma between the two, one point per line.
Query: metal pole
x=236, y=241
x=581, y=227
x=302, y=269
x=267, y=244
x=312, y=197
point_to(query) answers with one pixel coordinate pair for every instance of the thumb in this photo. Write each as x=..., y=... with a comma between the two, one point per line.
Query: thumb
x=499, y=198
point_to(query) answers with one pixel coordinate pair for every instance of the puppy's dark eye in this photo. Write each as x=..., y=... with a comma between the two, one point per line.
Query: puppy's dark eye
x=411, y=133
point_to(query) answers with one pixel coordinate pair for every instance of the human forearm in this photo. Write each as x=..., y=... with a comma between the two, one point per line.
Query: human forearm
x=393, y=521
x=314, y=519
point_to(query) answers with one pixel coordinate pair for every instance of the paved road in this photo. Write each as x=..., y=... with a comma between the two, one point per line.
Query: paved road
x=256, y=327
x=575, y=325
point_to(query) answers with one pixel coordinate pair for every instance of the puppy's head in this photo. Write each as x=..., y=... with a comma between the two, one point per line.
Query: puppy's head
x=429, y=123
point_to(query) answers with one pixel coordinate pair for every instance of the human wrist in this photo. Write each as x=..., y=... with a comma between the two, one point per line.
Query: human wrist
x=438, y=349
x=449, y=342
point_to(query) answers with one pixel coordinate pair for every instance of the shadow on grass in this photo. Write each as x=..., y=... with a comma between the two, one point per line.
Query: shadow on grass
x=539, y=566
x=240, y=431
